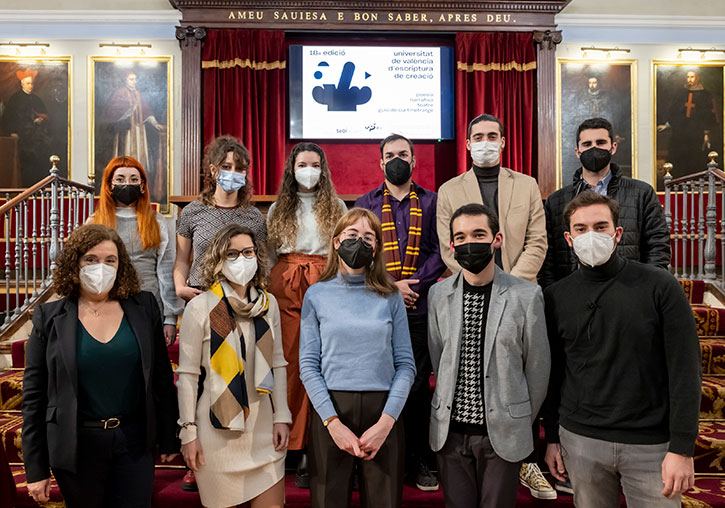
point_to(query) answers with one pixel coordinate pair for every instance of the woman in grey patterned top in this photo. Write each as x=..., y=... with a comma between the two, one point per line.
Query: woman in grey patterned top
x=124, y=205
x=226, y=199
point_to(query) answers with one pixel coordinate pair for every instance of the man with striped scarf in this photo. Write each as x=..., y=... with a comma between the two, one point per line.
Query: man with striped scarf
x=412, y=257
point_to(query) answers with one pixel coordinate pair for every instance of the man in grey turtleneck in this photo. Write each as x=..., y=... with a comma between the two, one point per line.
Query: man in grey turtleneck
x=514, y=196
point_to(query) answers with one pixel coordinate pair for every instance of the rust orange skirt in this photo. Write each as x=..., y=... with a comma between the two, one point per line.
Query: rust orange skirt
x=290, y=278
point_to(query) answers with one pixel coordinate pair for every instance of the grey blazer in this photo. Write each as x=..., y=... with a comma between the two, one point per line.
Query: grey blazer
x=516, y=360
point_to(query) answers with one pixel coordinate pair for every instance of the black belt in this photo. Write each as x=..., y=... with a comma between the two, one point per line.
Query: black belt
x=108, y=423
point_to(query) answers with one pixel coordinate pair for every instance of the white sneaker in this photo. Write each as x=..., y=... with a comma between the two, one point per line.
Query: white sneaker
x=531, y=476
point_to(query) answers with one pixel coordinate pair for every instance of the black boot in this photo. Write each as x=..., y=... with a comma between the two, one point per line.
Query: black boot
x=302, y=475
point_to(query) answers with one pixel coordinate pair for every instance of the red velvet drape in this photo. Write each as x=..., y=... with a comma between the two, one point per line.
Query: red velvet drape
x=495, y=75
x=244, y=79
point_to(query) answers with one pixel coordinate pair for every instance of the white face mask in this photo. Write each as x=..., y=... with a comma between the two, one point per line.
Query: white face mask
x=307, y=176
x=97, y=278
x=240, y=271
x=486, y=153
x=594, y=249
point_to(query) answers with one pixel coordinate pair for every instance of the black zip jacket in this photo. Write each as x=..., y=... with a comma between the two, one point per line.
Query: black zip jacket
x=645, y=238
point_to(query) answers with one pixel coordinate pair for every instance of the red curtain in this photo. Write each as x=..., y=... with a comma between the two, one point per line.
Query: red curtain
x=244, y=79
x=495, y=75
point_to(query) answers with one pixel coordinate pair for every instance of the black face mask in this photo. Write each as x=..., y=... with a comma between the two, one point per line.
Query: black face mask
x=397, y=171
x=595, y=159
x=474, y=256
x=355, y=253
x=126, y=194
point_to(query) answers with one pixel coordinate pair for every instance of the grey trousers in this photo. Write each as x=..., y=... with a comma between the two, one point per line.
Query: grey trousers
x=597, y=468
x=472, y=475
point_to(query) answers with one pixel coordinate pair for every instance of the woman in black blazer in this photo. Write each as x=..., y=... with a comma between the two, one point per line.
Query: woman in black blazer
x=98, y=390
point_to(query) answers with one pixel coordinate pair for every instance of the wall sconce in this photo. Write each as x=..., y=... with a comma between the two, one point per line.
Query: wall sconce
x=20, y=45
x=602, y=52
x=120, y=46
x=691, y=53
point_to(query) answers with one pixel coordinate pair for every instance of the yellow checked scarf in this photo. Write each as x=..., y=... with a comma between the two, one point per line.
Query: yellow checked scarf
x=391, y=249
x=229, y=403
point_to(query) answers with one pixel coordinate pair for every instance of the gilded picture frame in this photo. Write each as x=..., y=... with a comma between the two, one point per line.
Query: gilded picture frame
x=35, y=118
x=596, y=88
x=687, y=116
x=130, y=114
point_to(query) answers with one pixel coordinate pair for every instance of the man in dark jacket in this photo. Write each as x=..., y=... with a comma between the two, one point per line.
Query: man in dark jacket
x=646, y=237
x=624, y=392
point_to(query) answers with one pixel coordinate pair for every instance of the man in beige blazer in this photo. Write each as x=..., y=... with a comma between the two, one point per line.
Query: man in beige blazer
x=514, y=195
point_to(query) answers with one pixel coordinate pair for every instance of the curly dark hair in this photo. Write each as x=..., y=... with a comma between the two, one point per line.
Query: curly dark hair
x=215, y=256
x=214, y=155
x=327, y=208
x=66, y=281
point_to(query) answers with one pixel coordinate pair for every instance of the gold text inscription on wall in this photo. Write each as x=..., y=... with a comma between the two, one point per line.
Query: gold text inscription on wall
x=370, y=17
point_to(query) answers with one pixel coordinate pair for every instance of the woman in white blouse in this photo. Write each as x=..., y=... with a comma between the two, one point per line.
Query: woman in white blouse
x=300, y=225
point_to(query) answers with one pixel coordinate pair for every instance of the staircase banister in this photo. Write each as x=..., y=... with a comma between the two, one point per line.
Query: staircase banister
x=718, y=173
x=687, y=178
x=77, y=185
x=26, y=194
x=35, y=188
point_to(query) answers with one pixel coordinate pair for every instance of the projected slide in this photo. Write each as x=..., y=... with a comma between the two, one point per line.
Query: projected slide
x=369, y=92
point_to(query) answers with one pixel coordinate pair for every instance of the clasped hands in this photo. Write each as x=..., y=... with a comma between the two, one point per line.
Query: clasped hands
x=367, y=445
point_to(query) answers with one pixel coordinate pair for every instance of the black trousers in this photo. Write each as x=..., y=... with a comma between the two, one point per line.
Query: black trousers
x=473, y=476
x=114, y=469
x=416, y=413
x=331, y=469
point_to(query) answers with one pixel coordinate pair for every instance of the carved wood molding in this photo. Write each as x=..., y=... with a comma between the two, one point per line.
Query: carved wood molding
x=190, y=39
x=548, y=38
x=547, y=6
x=190, y=35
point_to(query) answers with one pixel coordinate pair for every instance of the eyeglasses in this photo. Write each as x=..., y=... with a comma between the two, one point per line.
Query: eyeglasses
x=368, y=238
x=233, y=254
x=119, y=180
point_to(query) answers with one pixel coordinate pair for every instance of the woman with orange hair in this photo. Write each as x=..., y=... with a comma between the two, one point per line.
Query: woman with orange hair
x=124, y=205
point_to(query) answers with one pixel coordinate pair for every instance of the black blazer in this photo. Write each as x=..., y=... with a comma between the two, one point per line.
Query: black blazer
x=50, y=384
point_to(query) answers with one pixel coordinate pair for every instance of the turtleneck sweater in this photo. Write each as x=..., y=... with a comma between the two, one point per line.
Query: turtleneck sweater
x=625, y=357
x=353, y=339
x=488, y=184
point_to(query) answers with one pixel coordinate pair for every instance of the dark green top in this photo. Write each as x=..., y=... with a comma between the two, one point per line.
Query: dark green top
x=110, y=380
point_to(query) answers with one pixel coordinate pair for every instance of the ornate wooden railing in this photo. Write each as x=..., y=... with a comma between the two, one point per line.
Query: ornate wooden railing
x=694, y=205
x=35, y=222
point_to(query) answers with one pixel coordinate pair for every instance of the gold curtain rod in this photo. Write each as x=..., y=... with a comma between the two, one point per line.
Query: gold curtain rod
x=120, y=45
x=606, y=50
x=25, y=44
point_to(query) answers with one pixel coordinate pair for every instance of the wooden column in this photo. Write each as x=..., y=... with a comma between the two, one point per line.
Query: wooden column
x=546, y=42
x=191, y=40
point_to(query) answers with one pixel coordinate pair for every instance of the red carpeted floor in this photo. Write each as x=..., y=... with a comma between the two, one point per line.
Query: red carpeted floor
x=169, y=495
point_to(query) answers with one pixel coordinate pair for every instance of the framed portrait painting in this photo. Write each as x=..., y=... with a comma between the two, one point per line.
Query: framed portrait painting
x=688, y=116
x=591, y=89
x=35, y=118
x=131, y=115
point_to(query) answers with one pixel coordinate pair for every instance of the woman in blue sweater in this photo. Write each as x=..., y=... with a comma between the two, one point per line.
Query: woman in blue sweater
x=356, y=363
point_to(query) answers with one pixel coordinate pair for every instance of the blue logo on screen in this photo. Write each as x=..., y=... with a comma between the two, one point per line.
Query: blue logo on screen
x=342, y=97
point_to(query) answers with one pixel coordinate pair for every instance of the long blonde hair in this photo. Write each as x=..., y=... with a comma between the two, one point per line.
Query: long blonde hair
x=376, y=278
x=327, y=208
